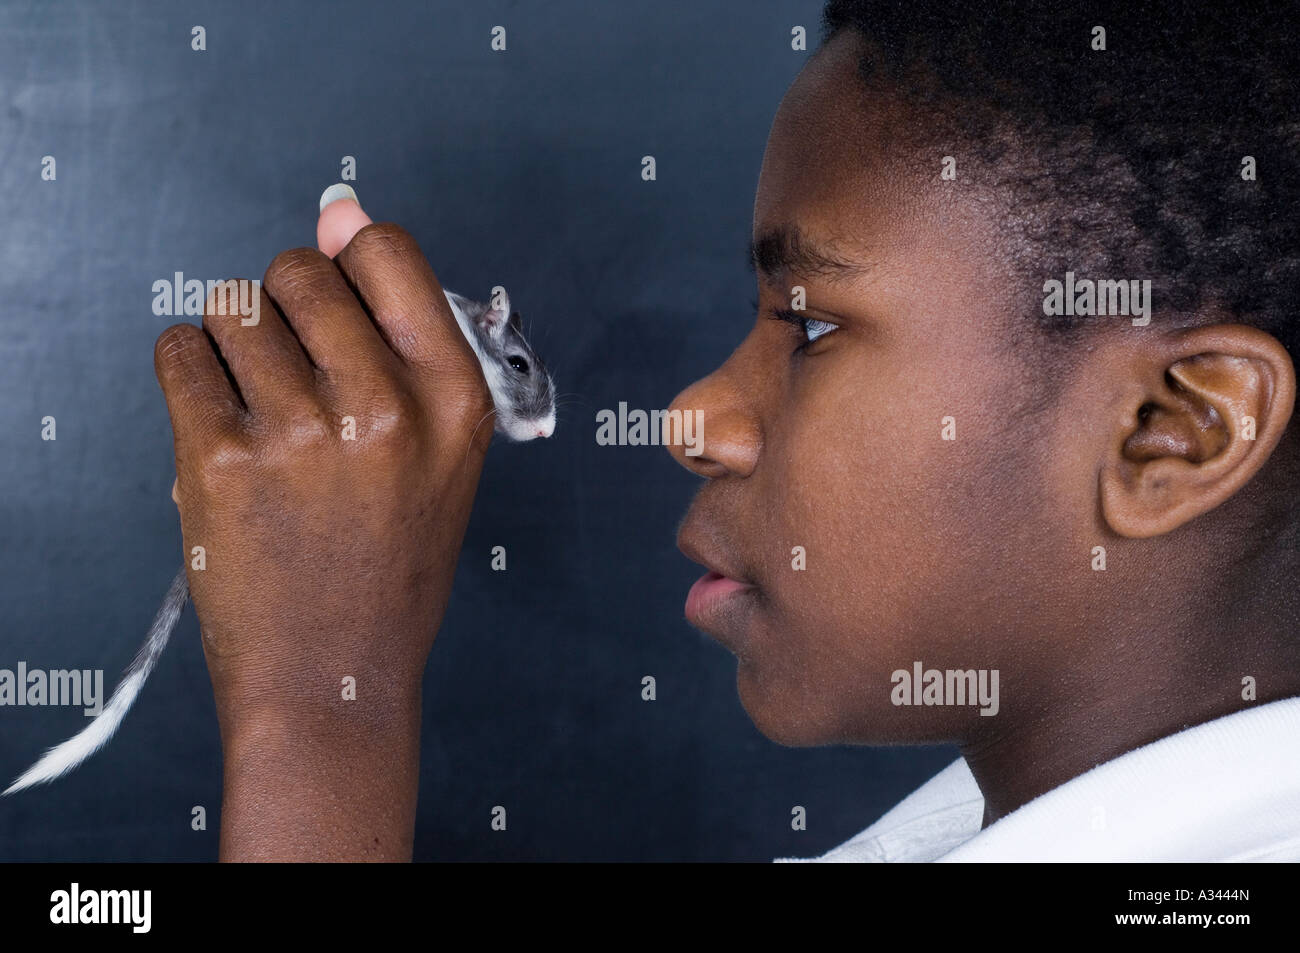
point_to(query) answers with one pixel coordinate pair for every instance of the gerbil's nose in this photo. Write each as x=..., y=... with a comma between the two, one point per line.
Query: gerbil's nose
x=714, y=405
x=546, y=428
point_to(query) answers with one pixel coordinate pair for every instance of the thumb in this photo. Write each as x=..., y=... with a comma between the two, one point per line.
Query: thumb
x=340, y=218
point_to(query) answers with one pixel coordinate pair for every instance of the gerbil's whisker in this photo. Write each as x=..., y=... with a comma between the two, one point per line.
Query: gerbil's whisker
x=490, y=413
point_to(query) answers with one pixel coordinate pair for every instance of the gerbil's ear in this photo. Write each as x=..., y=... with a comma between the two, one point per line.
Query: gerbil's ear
x=516, y=322
x=1203, y=418
x=493, y=319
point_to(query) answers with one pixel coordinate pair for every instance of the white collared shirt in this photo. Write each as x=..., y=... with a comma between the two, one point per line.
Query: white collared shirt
x=1225, y=790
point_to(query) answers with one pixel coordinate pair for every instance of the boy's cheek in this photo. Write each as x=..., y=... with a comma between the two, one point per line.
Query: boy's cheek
x=860, y=499
x=849, y=562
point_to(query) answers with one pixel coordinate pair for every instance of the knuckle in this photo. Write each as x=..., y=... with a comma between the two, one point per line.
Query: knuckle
x=174, y=343
x=278, y=436
x=393, y=420
x=224, y=456
x=294, y=268
x=382, y=239
x=223, y=299
x=307, y=427
x=467, y=402
x=457, y=392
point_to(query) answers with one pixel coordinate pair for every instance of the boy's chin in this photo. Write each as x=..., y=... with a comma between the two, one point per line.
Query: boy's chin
x=779, y=711
x=793, y=713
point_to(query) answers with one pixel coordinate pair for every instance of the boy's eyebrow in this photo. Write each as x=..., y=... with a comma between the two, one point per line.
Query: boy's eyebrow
x=786, y=251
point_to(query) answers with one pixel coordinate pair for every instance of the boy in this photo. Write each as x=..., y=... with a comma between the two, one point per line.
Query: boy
x=1110, y=538
x=1007, y=459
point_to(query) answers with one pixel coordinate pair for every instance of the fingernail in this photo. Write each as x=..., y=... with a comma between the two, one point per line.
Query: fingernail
x=336, y=192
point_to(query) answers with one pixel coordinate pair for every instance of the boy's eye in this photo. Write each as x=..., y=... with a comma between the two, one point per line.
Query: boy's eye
x=815, y=328
x=812, y=328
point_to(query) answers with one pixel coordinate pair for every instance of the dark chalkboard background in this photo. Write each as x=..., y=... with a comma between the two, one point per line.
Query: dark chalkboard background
x=520, y=168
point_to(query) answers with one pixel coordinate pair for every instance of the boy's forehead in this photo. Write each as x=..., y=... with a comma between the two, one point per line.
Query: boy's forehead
x=823, y=167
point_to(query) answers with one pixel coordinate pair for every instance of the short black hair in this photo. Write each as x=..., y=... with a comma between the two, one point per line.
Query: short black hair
x=1131, y=157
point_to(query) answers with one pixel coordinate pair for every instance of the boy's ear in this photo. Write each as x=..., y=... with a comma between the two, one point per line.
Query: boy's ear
x=1210, y=410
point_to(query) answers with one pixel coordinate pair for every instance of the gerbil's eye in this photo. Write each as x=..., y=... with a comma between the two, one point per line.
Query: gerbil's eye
x=518, y=363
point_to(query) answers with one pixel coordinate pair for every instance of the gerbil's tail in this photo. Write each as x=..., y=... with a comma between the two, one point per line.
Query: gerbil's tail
x=62, y=758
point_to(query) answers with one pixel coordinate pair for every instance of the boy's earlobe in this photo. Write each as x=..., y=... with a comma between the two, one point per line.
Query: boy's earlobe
x=1219, y=408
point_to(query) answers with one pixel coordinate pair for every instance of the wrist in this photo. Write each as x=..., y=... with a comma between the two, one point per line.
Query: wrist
x=335, y=782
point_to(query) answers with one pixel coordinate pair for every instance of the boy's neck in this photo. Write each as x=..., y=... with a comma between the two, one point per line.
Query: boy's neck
x=1032, y=750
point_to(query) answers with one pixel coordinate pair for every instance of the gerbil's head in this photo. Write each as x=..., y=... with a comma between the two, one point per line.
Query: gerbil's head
x=522, y=389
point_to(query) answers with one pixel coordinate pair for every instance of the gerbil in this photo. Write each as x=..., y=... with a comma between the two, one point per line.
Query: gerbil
x=523, y=393
x=523, y=399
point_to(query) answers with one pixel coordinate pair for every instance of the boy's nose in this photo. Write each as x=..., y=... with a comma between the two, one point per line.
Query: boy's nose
x=710, y=431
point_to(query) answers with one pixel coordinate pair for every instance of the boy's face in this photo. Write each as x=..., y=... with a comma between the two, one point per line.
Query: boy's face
x=946, y=552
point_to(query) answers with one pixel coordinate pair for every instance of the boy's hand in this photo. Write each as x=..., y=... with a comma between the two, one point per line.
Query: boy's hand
x=329, y=489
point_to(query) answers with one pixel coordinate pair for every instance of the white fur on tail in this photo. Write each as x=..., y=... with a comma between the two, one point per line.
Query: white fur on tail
x=62, y=758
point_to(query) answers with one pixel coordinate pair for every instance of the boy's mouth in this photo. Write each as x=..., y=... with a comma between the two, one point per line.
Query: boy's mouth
x=709, y=591
x=717, y=598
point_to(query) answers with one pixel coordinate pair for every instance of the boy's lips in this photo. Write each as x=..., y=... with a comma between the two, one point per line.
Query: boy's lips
x=707, y=595
x=712, y=600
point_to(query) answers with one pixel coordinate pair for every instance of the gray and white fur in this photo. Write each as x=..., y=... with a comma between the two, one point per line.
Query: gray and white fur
x=523, y=399
x=523, y=393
